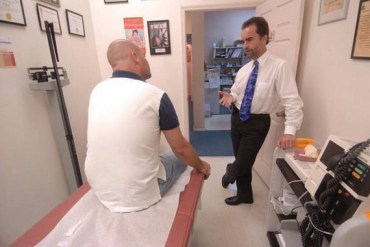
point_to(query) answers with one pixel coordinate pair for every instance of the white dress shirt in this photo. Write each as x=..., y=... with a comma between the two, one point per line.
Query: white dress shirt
x=275, y=85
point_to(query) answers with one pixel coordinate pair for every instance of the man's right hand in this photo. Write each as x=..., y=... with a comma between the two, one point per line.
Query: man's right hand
x=206, y=169
x=226, y=98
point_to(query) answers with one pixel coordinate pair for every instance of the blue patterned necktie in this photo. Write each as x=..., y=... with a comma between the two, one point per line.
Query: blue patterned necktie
x=245, y=108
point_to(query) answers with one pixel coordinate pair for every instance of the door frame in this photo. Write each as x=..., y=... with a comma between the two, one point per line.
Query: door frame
x=203, y=8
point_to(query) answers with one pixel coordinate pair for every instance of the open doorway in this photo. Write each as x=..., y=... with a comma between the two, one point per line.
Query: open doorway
x=216, y=56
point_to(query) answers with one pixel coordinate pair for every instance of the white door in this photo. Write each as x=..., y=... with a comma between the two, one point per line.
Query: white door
x=285, y=19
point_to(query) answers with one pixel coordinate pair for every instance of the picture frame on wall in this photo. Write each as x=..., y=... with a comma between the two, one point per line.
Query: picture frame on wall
x=45, y=13
x=361, y=39
x=75, y=23
x=12, y=12
x=159, y=37
x=52, y=2
x=115, y=1
x=332, y=10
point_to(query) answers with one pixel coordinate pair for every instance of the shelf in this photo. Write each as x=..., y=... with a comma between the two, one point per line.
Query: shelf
x=290, y=233
x=231, y=67
x=47, y=86
x=224, y=57
x=229, y=60
x=228, y=52
x=271, y=236
x=297, y=187
x=282, y=217
x=288, y=236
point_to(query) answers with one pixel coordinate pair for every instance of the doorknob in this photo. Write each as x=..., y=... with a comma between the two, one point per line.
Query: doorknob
x=280, y=114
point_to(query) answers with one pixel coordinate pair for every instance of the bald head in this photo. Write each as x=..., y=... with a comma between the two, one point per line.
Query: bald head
x=124, y=55
x=119, y=52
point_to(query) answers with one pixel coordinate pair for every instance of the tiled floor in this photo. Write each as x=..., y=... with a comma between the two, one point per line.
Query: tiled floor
x=218, y=122
x=218, y=224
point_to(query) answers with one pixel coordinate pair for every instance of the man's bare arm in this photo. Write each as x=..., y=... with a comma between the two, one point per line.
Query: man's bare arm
x=185, y=152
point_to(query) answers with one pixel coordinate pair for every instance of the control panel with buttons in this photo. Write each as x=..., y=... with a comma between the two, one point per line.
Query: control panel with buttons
x=359, y=180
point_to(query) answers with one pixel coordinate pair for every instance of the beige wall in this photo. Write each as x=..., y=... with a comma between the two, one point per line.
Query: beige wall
x=31, y=175
x=334, y=87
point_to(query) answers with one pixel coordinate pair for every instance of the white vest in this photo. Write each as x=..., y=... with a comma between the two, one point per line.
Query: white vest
x=122, y=163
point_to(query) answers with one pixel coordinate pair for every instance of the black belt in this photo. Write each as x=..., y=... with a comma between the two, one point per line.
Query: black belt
x=235, y=111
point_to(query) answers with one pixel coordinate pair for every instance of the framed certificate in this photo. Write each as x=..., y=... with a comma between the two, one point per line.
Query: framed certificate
x=361, y=40
x=52, y=2
x=48, y=14
x=75, y=23
x=115, y=1
x=11, y=11
x=332, y=10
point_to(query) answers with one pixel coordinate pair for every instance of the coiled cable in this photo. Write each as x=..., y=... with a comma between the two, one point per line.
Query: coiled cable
x=342, y=172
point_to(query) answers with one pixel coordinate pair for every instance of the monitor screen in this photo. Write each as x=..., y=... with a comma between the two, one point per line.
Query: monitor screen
x=331, y=149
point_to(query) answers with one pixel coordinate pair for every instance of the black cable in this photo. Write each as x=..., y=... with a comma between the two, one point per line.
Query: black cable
x=341, y=173
x=303, y=229
x=291, y=211
x=314, y=226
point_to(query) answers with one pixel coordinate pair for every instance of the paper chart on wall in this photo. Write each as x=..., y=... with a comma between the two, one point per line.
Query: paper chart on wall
x=7, y=59
x=134, y=31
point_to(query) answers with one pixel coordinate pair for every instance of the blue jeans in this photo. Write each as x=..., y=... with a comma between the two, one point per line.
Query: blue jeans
x=174, y=168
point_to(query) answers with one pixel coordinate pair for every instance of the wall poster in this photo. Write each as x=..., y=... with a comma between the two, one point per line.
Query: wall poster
x=134, y=31
x=159, y=37
x=7, y=59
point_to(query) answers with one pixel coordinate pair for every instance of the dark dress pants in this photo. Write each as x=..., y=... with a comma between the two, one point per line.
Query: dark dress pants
x=247, y=138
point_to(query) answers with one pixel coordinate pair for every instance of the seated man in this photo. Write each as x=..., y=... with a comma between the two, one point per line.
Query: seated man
x=126, y=117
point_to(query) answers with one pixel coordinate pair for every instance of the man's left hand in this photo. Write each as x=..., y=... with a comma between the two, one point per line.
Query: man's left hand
x=286, y=141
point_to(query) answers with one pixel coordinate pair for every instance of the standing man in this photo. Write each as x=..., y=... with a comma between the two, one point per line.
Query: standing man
x=259, y=87
x=126, y=117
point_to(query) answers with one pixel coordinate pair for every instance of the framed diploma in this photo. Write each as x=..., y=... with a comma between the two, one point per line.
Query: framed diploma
x=75, y=23
x=11, y=11
x=361, y=40
x=332, y=10
x=48, y=14
x=115, y=1
x=52, y=2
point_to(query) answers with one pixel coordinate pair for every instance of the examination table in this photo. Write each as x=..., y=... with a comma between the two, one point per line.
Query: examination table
x=179, y=228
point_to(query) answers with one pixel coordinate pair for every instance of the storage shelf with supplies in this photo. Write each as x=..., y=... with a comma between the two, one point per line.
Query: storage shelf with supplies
x=230, y=60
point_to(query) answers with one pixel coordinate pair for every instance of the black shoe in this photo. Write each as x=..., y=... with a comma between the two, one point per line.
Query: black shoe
x=236, y=200
x=225, y=181
x=227, y=178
